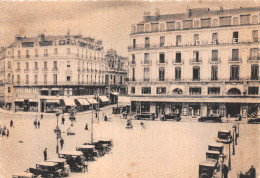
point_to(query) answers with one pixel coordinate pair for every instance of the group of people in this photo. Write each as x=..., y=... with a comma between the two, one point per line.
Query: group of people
x=36, y=123
x=251, y=173
x=4, y=131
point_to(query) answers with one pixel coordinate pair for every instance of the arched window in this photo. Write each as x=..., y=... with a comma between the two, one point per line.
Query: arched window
x=234, y=91
x=177, y=91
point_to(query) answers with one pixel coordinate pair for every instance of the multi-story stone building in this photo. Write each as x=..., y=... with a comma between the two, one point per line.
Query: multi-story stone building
x=198, y=63
x=44, y=70
x=116, y=74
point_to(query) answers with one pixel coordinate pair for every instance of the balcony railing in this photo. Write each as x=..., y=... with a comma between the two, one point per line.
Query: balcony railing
x=26, y=70
x=178, y=62
x=196, y=61
x=45, y=69
x=253, y=59
x=234, y=60
x=214, y=60
x=35, y=69
x=146, y=62
x=17, y=70
x=55, y=69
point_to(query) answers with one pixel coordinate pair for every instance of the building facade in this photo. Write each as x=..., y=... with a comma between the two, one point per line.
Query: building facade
x=199, y=63
x=40, y=71
x=116, y=74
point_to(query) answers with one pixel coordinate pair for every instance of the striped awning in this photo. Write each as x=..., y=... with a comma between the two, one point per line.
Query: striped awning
x=103, y=98
x=69, y=102
x=92, y=101
x=83, y=102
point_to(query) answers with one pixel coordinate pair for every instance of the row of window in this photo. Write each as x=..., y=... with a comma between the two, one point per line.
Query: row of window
x=89, y=78
x=199, y=23
x=197, y=91
x=84, y=53
x=45, y=65
x=254, y=55
x=234, y=73
x=178, y=41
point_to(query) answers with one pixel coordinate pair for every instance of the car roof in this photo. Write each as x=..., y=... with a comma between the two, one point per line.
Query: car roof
x=216, y=144
x=213, y=152
x=56, y=160
x=25, y=174
x=73, y=153
x=208, y=163
x=86, y=146
x=47, y=164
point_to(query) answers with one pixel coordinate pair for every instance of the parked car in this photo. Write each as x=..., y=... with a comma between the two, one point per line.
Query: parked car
x=213, y=156
x=207, y=169
x=88, y=151
x=216, y=147
x=210, y=119
x=145, y=116
x=46, y=169
x=171, y=116
x=75, y=159
x=224, y=136
x=62, y=164
x=102, y=146
x=23, y=175
x=254, y=121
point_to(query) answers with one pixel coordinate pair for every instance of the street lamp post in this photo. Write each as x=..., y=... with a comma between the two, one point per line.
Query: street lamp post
x=222, y=157
x=233, y=143
x=229, y=154
x=57, y=130
x=92, y=120
x=238, y=129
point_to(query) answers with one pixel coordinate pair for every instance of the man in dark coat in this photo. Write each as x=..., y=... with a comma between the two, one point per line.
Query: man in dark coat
x=11, y=123
x=251, y=172
x=61, y=142
x=45, y=154
x=62, y=120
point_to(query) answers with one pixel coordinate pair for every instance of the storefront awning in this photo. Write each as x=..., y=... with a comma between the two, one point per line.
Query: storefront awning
x=44, y=89
x=123, y=100
x=92, y=101
x=69, y=102
x=33, y=100
x=83, y=102
x=115, y=93
x=19, y=100
x=52, y=101
x=55, y=89
x=103, y=98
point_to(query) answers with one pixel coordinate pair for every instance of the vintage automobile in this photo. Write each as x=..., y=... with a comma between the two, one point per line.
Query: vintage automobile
x=47, y=169
x=145, y=116
x=88, y=151
x=207, y=169
x=213, y=156
x=224, y=136
x=75, y=159
x=23, y=175
x=254, y=121
x=171, y=116
x=216, y=147
x=103, y=146
x=210, y=119
x=62, y=164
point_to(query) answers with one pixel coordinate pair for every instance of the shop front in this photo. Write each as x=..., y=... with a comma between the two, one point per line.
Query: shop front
x=194, y=109
x=19, y=105
x=82, y=104
x=103, y=100
x=33, y=105
x=232, y=109
x=252, y=110
x=213, y=109
x=52, y=105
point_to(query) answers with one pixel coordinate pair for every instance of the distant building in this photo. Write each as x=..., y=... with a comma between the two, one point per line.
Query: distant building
x=116, y=74
x=39, y=72
x=200, y=63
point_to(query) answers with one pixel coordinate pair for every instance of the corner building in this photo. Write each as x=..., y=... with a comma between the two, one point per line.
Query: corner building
x=199, y=63
x=41, y=71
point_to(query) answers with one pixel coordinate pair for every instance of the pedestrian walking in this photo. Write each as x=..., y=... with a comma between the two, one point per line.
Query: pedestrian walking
x=41, y=116
x=142, y=124
x=62, y=120
x=38, y=123
x=105, y=118
x=86, y=127
x=35, y=123
x=251, y=172
x=11, y=123
x=45, y=154
x=7, y=133
x=3, y=132
x=61, y=142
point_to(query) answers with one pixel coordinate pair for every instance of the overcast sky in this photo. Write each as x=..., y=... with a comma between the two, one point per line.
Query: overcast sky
x=107, y=21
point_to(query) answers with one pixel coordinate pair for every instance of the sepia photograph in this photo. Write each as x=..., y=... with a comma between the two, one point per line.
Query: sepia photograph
x=130, y=89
